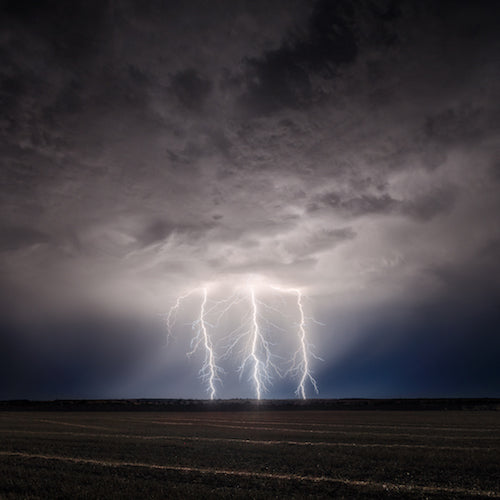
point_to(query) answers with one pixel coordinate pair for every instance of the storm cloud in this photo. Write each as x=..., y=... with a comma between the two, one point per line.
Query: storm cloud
x=347, y=148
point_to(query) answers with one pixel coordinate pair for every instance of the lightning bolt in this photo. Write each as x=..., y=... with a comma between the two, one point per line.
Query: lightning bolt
x=256, y=336
x=249, y=338
x=304, y=350
x=209, y=371
x=258, y=348
x=301, y=357
x=172, y=313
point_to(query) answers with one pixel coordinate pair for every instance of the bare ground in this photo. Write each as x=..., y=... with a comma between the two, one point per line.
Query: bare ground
x=270, y=454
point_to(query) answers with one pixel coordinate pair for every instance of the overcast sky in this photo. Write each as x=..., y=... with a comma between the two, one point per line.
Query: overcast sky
x=350, y=149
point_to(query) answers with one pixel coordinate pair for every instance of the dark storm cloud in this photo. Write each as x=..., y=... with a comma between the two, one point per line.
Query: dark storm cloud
x=74, y=31
x=282, y=78
x=495, y=171
x=346, y=147
x=158, y=230
x=456, y=125
x=431, y=204
x=367, y=204
x=14, y=238
x=191, y=89
x=425, y=207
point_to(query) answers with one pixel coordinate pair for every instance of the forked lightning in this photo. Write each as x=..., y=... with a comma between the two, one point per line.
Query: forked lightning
x=248, y=340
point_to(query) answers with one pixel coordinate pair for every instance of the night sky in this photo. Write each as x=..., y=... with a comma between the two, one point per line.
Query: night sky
x=347, y=149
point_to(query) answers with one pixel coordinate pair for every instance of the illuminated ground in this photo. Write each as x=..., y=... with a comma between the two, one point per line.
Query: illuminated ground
x=279, y=454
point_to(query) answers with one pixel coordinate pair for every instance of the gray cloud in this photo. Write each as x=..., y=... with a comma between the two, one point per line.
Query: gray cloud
x=424, y=207
x=191, y=89
x=15, y=238
x=431, y=204
x=350, y=148
x=155, y=232
x=366, y=204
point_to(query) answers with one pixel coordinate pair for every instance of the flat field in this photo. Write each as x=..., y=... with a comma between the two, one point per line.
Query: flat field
x=254, y=454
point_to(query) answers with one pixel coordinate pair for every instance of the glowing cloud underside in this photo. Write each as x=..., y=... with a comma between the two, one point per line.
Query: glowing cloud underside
x=249, y=341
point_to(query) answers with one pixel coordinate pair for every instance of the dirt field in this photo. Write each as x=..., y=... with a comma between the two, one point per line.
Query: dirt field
x=271, y=454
